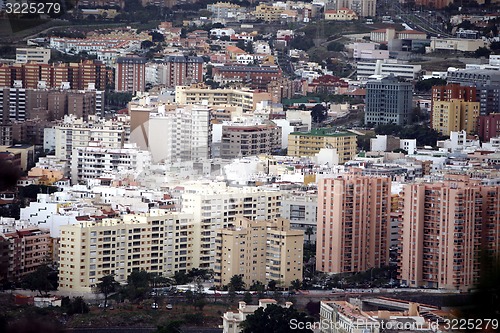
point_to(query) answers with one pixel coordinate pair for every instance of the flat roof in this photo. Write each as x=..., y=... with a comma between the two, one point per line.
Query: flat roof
x=323, y=132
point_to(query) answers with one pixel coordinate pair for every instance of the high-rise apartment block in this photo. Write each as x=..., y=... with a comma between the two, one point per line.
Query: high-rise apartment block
x=183, y=70
x=39, y=75
x=448, y=228
x=28, y=249
x=215, y=206
x=130, y=74
x=259, y=251
x=185, y=132
x=158, y=242
x=249, y=139
x=454, y=115
x=388, y=101
x=310, y=143
x=353, y=223
x=489, y=126
x=487, y=84
x=73, y=132
x=257, y=77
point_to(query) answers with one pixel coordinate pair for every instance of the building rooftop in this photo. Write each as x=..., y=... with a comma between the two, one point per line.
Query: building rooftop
x=323, y=132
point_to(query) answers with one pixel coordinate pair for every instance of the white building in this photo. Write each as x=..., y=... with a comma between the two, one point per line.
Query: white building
x=387, y=67
x=74, y=132
x=367, y=51
x=301, y=209
x=95, y=161
x=458, y=141
x=183, y=134
x=231, y=320
x=410, y=145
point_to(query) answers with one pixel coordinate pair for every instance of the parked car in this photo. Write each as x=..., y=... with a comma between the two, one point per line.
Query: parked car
x=169, y=306
x=154, y=306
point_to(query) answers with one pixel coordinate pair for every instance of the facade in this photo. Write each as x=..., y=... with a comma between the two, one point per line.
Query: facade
x=216, y=206
x=309, y=144
x=28, y=249
x=387, y=67
x=158, y=242
x=454, y=115
x=249, y=139
x=38, y=55
x=342, y=14
x=388, y=101
x=224, y=10
x=268, y=12
x=487, y=84
x=95, y=161
x=353, y=223
x=182, y=70
x=258, y=77
x=35, y=75
x=130, y=74
x=489, y=127
x=259, y=251
x=301, y=208
x=452, y=224
x=245, y=98
x=186, y=134
x=74, y=132
x=456, y=44
x=362, y=8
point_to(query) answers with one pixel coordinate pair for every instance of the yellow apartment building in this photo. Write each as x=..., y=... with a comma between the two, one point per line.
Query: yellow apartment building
x=309, y=144
x=455, y=115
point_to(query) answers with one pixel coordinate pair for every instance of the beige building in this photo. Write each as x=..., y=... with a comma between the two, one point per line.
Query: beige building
x=443, y=235
x=353, y=231
x=199, y=94
x=245, y=140
x=455, y=115
x=259, y=251
x=268, y=13
x=342, y=14
x=216, y=206
x=158, y=242
x=457, y=44
x=38, y=55
x=309, y=144
x=362, y=8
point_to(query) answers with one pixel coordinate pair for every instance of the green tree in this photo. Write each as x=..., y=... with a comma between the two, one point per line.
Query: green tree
x=319, y=113
x=272, y=285
x=237, y=282
x=482, y=52
x=426, y=85
x=296, y=284
x=301, y=43
x=276, y=319
x=335, y=46
x=39, y=280
x=247, y=298
x=181, y=278
x=106, y=286
x=138, y=285
x=78, y=305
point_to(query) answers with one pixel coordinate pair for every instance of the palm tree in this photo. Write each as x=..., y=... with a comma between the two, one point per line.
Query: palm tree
x=309, y=232
x=106, y=286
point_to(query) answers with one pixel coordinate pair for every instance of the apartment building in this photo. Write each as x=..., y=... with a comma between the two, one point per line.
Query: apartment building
x=95, y=161
x=301, y=208
x=451, y=225
x=216, y=205
x=28, y=249
x=353, y=223
x=38, y=55
x=487, y=84
x=454, y=116
x=130, y=74
x=259, y=251
x=240, y=139
x=79, y=75
x=489, y=127
x=362, y=8
x=224, y=10
x=342, y=14
x=386, y=67
x=73, y=132
x=257, y=77
x=388, y=101
x=268, y=12
x=310, y=143
x=158, y=242
x=183, y=70
x=247, y=99
x=19, y=104
x=186, y=133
